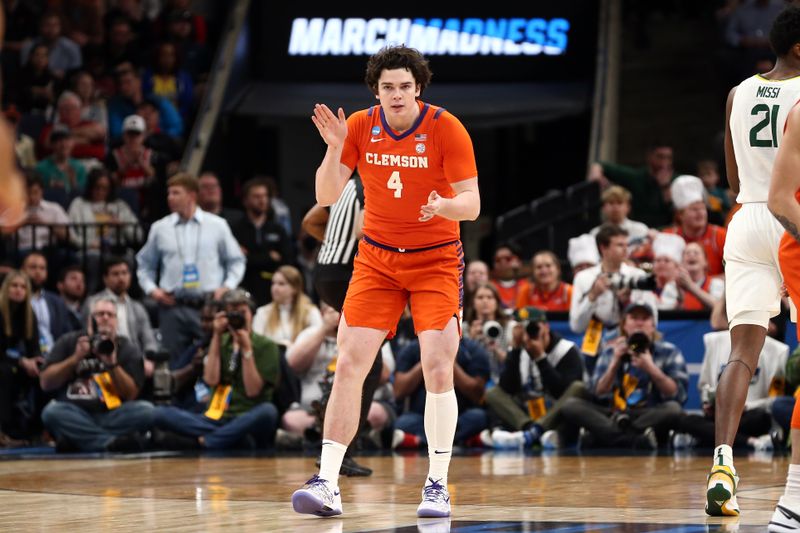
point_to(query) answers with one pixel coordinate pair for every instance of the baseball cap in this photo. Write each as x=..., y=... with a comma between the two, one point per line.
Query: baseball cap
x=530, y=314
x=238, y=296
x=640, y=306
x=133, y=123
x=59, y=132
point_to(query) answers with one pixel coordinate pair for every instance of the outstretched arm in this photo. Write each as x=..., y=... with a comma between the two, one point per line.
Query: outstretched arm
x=786, y=178
x=331, y=174
x=731, y=168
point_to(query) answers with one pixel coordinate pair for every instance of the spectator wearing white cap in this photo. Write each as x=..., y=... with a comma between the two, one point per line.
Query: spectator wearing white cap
x=688, y=197
x=699, y=290
x=132, y=165
x=668, y=254
x=582, y=253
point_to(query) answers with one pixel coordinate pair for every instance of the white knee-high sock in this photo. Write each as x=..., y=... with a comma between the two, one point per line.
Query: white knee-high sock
x=331, y=461
x=792, y=493
x=441, y=417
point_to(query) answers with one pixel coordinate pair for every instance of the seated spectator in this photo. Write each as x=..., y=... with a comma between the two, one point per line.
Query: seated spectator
x=52, y=316
x=156, y=139
x=546, y=291
x=470, y=374
x=136, y=13
x=291, y=310
x=243, y=369
x=129, y=96
x=71, y=287
x=44, y=215
x=198, y=29
x=133, y=322
x=194, y=55
x=263, y=241
x=506, y=274
x=747, y=31
x=89, y=136
x=648, y=185
x=616, y=205
x=24, y=146
x=766, y=385
x=688, y=196
x=93, y=106
x=33, y=88
x=102, y=219
x=209, y=198
x=84, y=21
x=668, y=255
x=699, y=291
x=168, y=80
x=132, y=165
x=488, y=325
x=644, y=381
x=719, y=199
x=63, y=54
x=20, y=358
x=476, y=273
x=309, y=357
x=122, y=46
x=21, y=24
x=539, y=368
x=60, y=170
x=97, y=384
x=582, y=253
x=599, y=292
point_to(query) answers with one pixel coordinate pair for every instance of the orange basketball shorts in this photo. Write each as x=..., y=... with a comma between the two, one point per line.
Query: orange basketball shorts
x=789, y=258
x=385, y=279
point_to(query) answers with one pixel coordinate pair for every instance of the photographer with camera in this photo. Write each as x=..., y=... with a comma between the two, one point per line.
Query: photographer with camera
x=539, y=368
x=487, y=324
x=600, y=293
x=242, y=368
x=98, y=375
x=643, y=380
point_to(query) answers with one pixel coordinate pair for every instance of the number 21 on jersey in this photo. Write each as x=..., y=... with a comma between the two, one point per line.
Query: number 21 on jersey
x=395, y=184
x=769, y=118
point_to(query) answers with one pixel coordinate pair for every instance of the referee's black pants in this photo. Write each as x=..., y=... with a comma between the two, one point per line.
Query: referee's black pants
x=331, y=283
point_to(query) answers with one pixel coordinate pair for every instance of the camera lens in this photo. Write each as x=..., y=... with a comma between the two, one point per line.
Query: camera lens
x=532, y=329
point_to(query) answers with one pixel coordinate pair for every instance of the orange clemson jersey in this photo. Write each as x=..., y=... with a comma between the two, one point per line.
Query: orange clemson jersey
x=400, y=171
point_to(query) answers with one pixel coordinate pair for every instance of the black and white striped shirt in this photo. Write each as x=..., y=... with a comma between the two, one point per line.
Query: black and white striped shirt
x=341, y=241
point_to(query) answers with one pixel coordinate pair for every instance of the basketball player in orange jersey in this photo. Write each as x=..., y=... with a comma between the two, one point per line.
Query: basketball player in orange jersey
x=784, y=195
x=420, y=179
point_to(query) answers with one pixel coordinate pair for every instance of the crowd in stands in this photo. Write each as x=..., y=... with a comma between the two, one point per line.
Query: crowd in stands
x=139, y=310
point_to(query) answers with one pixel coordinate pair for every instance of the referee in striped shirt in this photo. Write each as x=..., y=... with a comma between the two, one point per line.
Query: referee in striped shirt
x=339, y=230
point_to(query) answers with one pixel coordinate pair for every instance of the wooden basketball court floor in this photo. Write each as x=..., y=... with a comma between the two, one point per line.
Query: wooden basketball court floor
x=492, y=491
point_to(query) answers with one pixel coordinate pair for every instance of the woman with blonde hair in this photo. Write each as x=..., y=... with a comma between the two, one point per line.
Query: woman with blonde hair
x=291, y=310
x=20, y=355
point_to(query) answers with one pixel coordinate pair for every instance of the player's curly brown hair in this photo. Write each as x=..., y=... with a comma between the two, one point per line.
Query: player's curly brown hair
x=396, y=57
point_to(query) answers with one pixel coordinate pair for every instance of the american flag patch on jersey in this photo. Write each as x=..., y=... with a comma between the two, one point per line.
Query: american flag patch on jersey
x=421, y=137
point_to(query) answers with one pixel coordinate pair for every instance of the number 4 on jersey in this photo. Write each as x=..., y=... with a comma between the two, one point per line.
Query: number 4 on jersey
x=395, y=184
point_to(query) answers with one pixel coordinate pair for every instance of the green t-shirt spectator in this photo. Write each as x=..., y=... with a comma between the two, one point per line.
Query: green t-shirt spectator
x=647, y=202
x=52, y=176
x=267, y=359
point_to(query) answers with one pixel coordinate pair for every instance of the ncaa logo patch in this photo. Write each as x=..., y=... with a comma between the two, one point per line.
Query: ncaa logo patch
x=420, y=148
x=376, y=130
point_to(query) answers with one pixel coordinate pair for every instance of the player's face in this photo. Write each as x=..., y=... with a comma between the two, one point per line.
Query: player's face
x=398, y=92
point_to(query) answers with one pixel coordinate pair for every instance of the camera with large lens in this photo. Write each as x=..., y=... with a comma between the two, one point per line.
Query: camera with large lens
x=532, y=328
x=492, y=330
x=162, y=376
x=90, y=366
x=642, y=283
x=235, y=319
x=101, y=344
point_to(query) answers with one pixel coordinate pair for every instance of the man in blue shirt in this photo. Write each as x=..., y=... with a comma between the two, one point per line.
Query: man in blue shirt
x=196, y=256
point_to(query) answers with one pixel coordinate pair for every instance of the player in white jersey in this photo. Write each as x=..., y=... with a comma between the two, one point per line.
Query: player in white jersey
x=784, y=195
x=756, y=113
